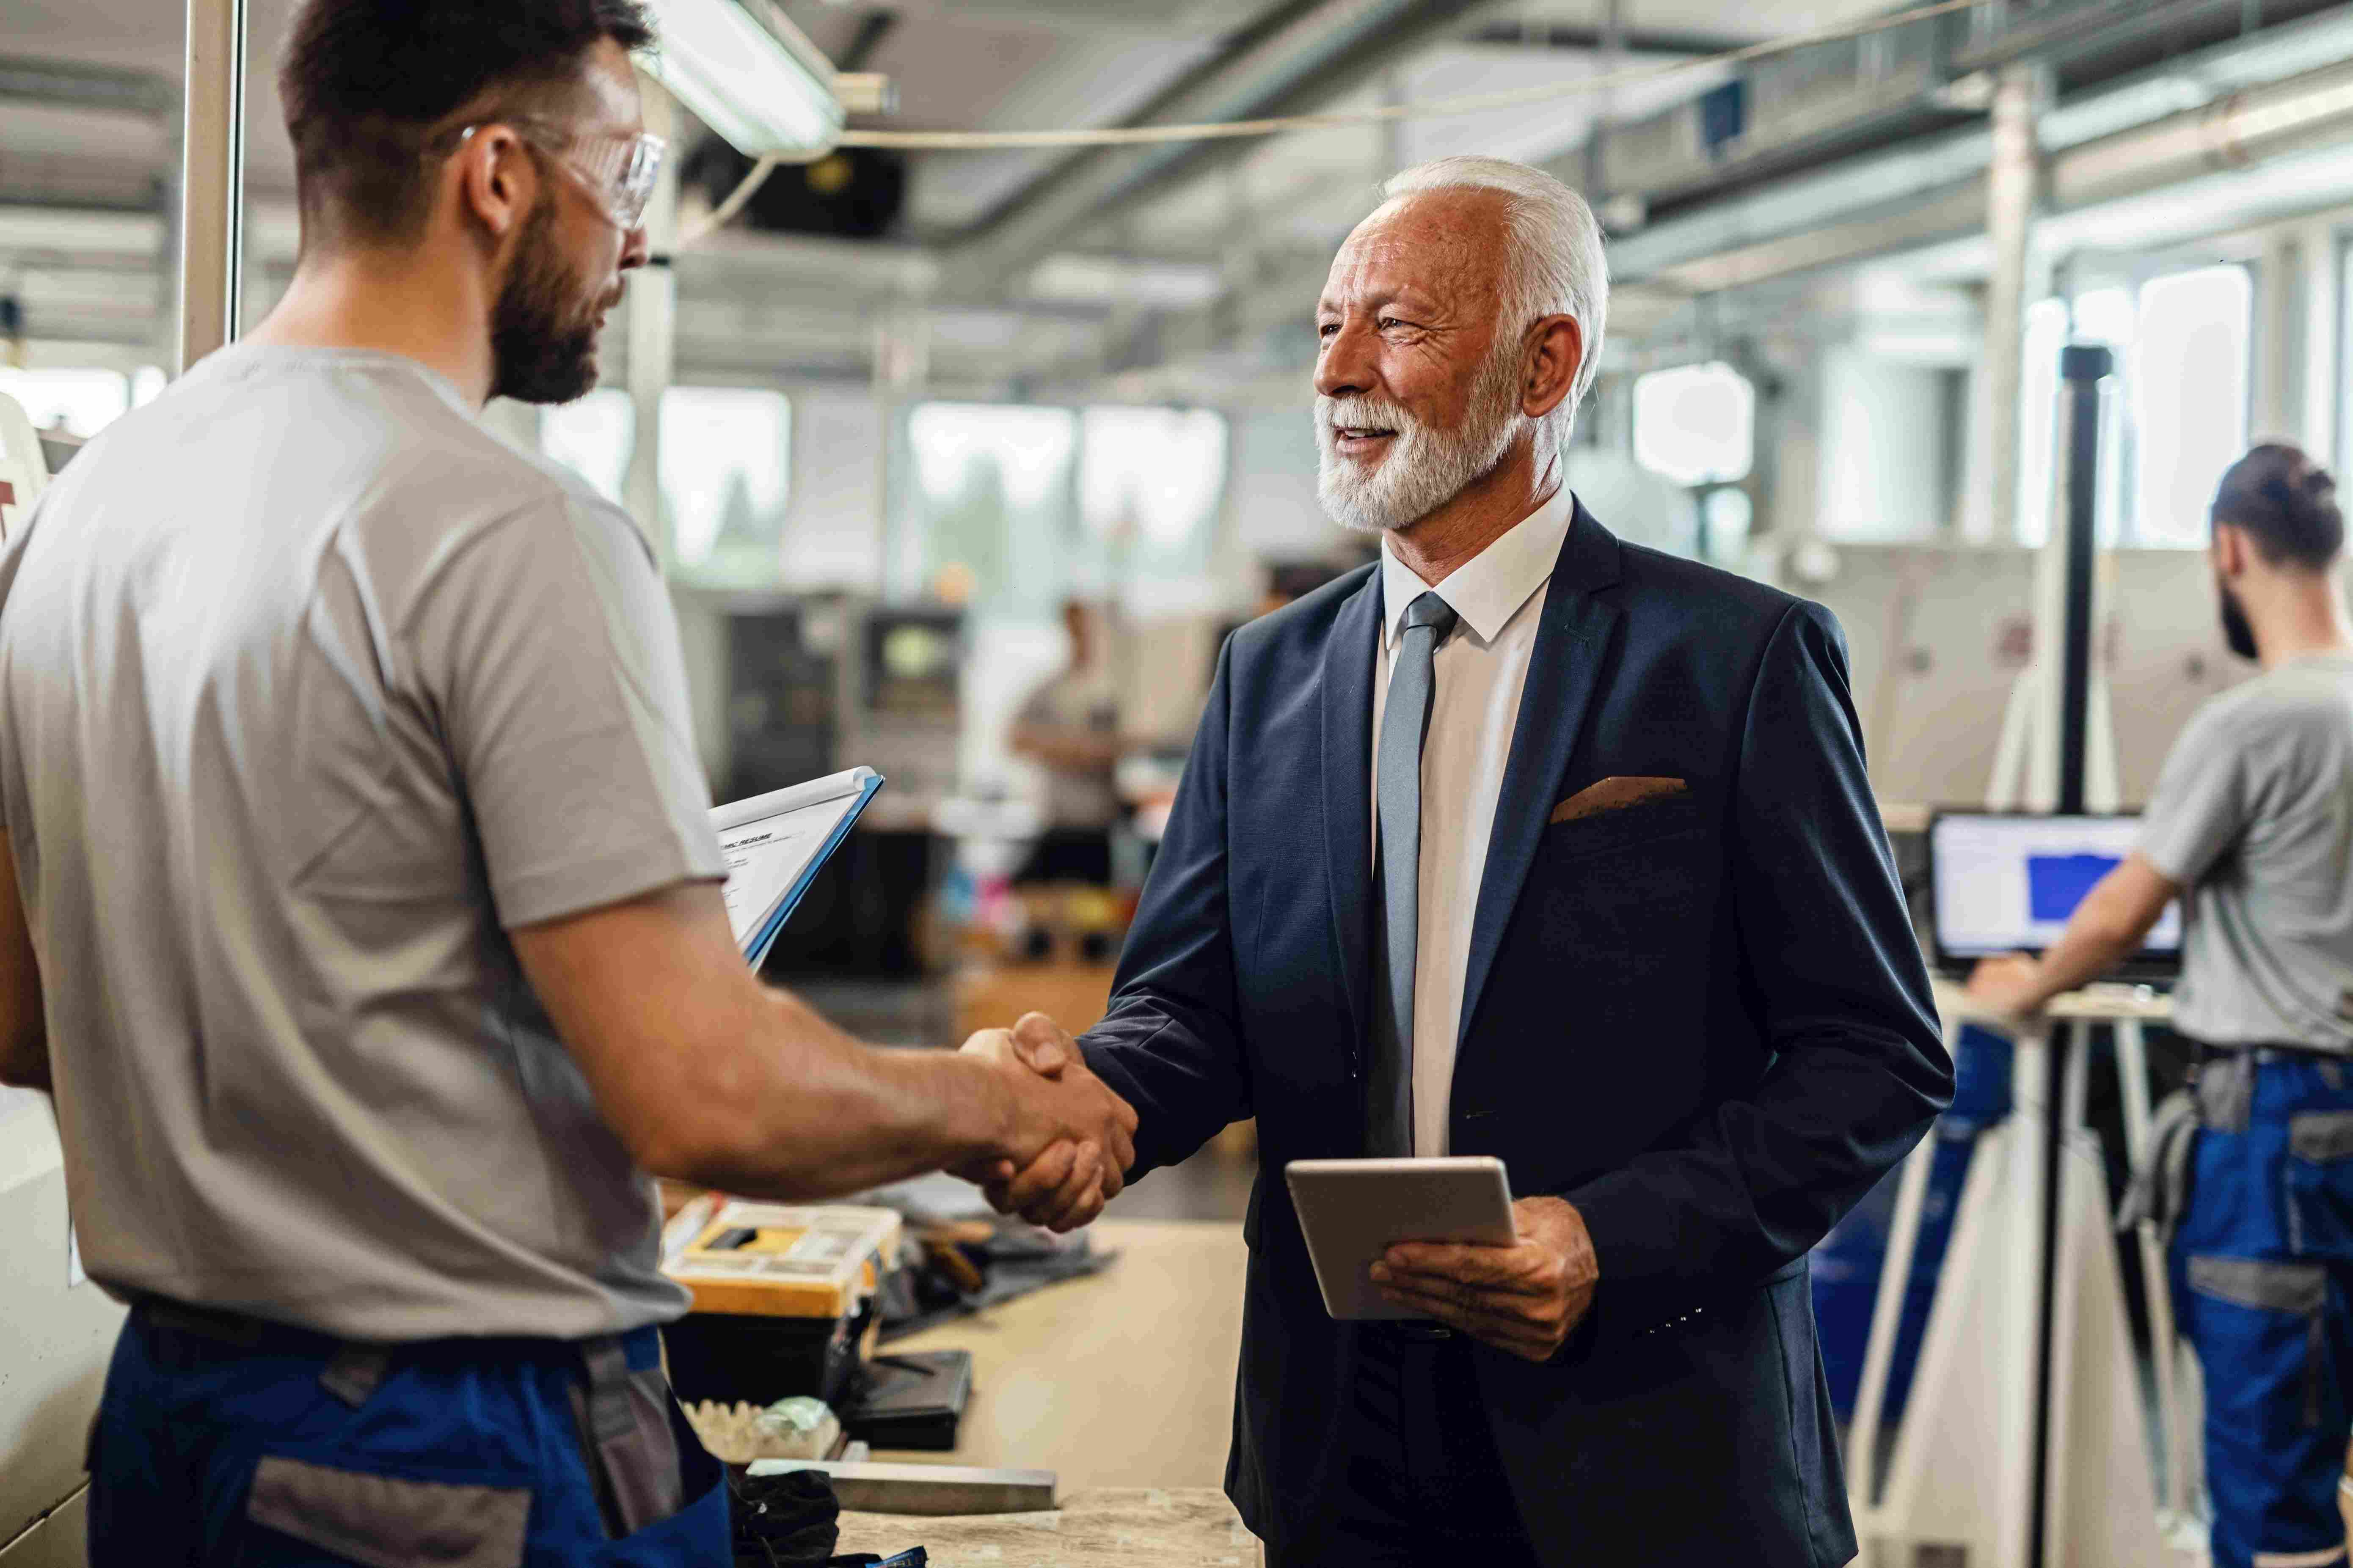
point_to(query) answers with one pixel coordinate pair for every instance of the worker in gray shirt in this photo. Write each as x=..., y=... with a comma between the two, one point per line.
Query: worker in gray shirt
x=359, y=898
x=2252, y=827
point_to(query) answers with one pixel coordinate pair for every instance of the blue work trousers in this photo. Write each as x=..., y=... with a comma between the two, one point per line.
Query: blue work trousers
x=232, y=1444
x=2263, y=1271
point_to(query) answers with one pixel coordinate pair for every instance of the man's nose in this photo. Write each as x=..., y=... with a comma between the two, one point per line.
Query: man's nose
x=1344, y=366
x=636, y=249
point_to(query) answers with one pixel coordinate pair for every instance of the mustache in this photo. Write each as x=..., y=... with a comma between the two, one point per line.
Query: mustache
x=1362, y=412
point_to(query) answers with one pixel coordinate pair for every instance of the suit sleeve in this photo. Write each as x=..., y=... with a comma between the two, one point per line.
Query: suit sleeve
x=1172, y=1041
x=1832, y=969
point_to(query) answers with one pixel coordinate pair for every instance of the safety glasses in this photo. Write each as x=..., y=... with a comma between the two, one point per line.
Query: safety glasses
x=615, y=171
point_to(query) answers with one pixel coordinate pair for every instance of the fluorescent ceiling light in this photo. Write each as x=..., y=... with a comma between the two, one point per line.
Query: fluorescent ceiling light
x=744, y=77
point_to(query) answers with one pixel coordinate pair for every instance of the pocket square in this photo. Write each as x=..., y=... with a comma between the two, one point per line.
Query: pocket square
x=1615, y=794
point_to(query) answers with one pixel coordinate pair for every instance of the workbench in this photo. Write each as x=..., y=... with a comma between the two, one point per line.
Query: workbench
x=1114, y=1527
x=1123, y=1384
x=1122, y=1379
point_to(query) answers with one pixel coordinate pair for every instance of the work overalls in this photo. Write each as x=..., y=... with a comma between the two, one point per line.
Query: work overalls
x=2259, y=1158
x=224, y=1440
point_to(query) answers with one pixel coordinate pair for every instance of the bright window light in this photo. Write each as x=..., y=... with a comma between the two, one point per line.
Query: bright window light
x=725, y=454
x=741, y=79
x=1025, y=450
x=986, y=515
x=2190, y=397
x=1159, y=471
x=75, y=401
x=2105, y=316
x=594, y=437
x=1695, y=424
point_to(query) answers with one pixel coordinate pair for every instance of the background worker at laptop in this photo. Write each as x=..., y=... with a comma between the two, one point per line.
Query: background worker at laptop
x=2252, y=826
x=359, y=894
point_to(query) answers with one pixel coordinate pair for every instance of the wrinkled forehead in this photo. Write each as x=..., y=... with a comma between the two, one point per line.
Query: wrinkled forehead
x=1446, y=246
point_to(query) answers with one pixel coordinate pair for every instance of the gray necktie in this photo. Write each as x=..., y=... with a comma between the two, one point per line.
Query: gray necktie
x=1388, y=1104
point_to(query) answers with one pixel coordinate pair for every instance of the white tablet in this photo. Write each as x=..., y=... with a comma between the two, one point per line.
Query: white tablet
x=1352, y=1210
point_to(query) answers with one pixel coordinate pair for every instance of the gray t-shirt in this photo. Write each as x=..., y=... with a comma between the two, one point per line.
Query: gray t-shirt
x=310, y=688
x=2253, y=817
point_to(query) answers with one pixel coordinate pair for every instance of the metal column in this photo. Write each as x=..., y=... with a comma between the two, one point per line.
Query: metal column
x=2323, y=353
x=652, y=328
x=2013, y=185
x=212, y=178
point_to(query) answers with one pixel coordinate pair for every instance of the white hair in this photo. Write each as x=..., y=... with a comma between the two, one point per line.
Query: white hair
x=1555, y=268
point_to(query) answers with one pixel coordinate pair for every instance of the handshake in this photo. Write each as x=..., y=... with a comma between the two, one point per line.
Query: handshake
x=1070, y=1139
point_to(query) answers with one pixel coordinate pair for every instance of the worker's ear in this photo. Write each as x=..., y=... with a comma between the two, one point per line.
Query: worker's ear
x=498, y=182
x=2229, y=551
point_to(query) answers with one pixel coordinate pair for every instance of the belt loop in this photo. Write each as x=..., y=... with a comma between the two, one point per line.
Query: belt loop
x=634, y=1451
x=607, y=1366
x=356, y=1372
x=2226, y=1091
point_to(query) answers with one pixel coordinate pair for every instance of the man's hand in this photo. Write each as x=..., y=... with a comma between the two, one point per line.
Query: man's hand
x=1062, y=1181
x=1525, y=1298
x=2010, y=986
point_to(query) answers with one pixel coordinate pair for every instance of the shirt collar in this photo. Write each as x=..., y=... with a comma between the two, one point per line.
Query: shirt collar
x=1488, y=589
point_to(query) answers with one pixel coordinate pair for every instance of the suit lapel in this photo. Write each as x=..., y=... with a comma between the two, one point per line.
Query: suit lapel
x=1347, y=790
x=1564, y=671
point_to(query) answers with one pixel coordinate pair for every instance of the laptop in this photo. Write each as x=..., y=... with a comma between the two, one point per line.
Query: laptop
x=2006, y=882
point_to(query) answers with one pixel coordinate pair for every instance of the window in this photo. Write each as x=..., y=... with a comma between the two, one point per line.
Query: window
x=986, y=513
x=1695, y=424
x=2178, y=407
x=594, y=437
x=1150, y=481
x=2189, y=399
x=723, y=468
x=75, y=401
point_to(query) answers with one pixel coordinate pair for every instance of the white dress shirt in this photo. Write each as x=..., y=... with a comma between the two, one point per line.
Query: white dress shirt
x=1475, y=707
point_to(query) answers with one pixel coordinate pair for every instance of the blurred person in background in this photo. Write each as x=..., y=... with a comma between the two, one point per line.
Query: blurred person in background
x=1526, y=842
x=359, y=899
x=2252, y=829
x=1070, y=726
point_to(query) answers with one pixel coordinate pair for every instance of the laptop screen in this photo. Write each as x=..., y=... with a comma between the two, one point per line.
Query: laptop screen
x=2008, y=883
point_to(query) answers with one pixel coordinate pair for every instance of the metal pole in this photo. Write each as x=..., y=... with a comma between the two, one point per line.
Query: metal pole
x=2082, y=367
x=212, y=179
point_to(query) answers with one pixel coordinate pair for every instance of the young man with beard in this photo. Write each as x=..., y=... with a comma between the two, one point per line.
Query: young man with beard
x=1527, y=843
x=359, y=908
x=2252, y=826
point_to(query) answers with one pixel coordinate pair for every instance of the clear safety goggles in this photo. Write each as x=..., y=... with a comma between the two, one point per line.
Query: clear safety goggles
x=615, y=171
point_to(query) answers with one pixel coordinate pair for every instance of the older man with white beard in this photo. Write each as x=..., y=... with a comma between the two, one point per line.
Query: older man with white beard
x=1523, y=842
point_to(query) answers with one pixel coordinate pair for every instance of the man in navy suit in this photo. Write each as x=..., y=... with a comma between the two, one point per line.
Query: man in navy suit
x=1527, y=843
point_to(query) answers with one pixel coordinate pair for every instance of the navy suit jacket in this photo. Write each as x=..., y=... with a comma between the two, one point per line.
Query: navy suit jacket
x=1703, y=1019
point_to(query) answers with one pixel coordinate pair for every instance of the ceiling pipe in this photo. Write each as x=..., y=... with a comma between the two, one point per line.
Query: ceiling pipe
x=2303, y=112
x=1320, y=55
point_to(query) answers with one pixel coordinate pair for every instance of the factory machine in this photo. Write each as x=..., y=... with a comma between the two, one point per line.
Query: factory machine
x=818, y=682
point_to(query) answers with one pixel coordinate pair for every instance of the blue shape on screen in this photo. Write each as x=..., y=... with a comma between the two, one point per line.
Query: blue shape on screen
x=2055, y=884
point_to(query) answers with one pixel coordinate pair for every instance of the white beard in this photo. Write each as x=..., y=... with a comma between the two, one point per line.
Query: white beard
x=1424, y=468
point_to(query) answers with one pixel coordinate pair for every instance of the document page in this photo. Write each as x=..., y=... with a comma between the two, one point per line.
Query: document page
x=765, y=859
x=773, y=844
